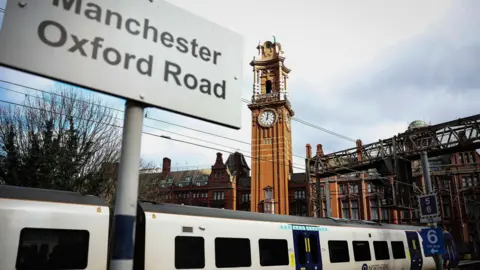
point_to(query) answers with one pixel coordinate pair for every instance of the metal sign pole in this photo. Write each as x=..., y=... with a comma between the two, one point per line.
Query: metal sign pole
x=428, y=183
x=127, y=188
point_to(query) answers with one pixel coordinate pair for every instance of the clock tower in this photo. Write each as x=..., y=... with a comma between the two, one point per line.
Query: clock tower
x=271, y=131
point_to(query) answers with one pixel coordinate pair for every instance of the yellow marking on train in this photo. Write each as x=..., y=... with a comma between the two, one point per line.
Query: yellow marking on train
x=292, y=259
x=154, y=216
x=308, y=245
x=99, y=210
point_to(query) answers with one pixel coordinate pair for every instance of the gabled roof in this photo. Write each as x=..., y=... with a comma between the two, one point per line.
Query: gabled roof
x=231, y=164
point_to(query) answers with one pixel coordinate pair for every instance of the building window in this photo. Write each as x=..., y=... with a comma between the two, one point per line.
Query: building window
x=342, y=189
x=268, y=194
x=273, y=252
x=446, y=206
x=218, y=195
x=53, y=248
x=469, y=181
x=446, y=183
x=381, y=250
x=267, y=141
x=398, y=250
x=324, y=205
x=189, y=252
x=338, y=251
x=225, y=258
x=353, y=189
x=361, y=251
x=355, y=211
x=369, y=188
x=385, y=214
x=464, y=182
x=299, y=194
x=268, y=86
x=345, y=209
x=246, y=197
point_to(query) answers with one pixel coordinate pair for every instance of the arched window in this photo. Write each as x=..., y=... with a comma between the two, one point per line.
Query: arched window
x=268, y=87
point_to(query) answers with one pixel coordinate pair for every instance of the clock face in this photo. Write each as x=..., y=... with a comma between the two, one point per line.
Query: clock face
x=267, y=118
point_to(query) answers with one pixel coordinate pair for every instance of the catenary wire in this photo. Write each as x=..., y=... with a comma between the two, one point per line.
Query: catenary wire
x=145, y=125
x=118, y=110
x=185, y=127
x=200, y=145
x=152, y=134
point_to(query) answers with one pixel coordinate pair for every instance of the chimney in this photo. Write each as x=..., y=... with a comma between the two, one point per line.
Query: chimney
x=309, y=150
x=319, y=150
x=359, y=150
x=166, y=166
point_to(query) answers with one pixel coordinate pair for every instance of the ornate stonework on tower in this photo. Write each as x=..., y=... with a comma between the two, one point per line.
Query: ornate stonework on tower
x=271, y=131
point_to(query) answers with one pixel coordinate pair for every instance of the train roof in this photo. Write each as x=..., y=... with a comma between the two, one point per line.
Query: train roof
x=244, y=215
x=48, y=195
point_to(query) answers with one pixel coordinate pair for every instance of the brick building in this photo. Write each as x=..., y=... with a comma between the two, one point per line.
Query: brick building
x=272, y=187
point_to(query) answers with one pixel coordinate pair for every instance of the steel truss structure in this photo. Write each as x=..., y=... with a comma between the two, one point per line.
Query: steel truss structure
x=441, y=139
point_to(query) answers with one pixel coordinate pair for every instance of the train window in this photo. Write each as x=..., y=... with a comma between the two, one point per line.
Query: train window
x=361, y=251
x=273, y=252
x=225, y=258
x=53, y=249
x=189, y=252
x=300, y=247
x=314, y=250
x=338, y=251
x=381, y=250
x=398, y=250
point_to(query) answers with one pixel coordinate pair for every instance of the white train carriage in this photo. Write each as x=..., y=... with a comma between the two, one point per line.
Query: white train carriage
x=48, y=229
x=65, y=230
x=187, y=237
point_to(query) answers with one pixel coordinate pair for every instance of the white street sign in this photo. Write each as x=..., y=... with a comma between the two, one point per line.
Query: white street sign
x=155, y=53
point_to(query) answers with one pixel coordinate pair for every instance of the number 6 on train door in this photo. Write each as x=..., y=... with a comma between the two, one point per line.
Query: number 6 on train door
x=307, y=249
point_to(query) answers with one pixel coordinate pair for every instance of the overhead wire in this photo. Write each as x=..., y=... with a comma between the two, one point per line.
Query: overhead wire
x=152, y=134
x=145, y=125
x=310, y=124
x=155, y=128
x=190, y=128
x=146, y=116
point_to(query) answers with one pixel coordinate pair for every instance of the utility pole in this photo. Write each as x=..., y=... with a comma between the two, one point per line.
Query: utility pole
x=428, y=184
x=307, y=187
x=327, y=199
x=319, y=191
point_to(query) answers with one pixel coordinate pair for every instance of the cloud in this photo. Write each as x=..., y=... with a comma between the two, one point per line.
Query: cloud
x=364, y=70
x=431, y=77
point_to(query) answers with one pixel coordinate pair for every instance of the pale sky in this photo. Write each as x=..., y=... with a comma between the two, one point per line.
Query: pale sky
x=364, y=69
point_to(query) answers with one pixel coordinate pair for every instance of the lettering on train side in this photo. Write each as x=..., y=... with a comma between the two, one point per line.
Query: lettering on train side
x=375, y=267
x=302, y=228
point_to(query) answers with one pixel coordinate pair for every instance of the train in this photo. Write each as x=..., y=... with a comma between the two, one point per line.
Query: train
x=51, y=229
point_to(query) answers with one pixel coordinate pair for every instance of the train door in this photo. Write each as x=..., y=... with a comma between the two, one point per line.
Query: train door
x=415, y=251
x=307, y=250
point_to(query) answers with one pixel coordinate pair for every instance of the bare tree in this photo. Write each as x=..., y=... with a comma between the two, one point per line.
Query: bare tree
x=148, y=187
x=58, y=140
